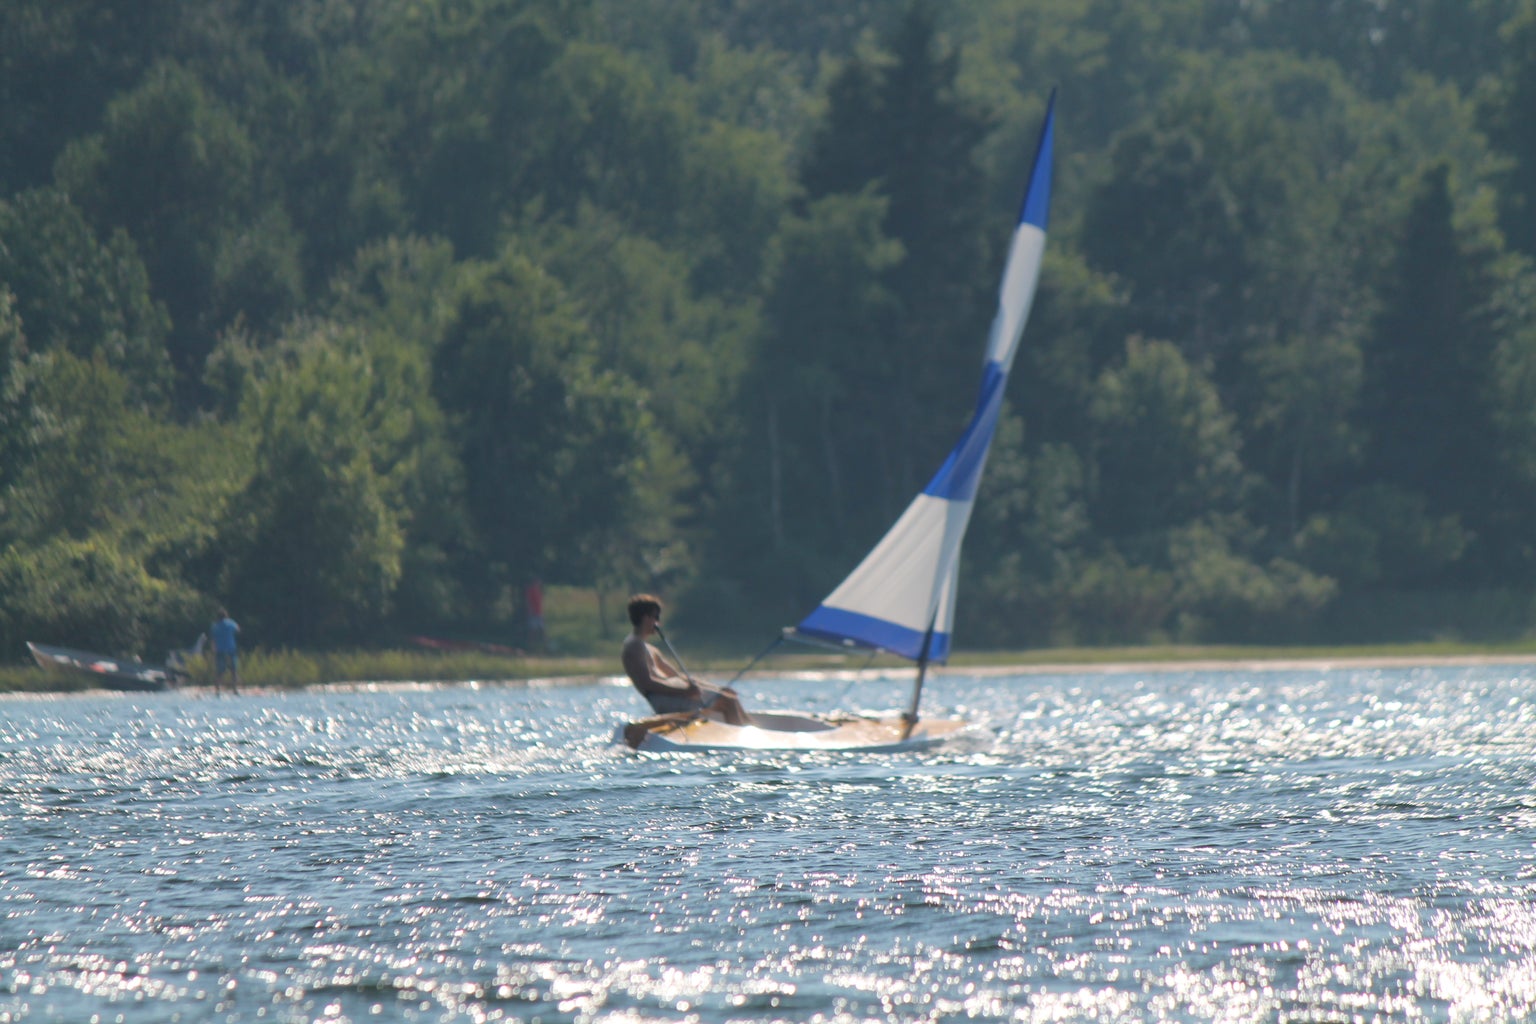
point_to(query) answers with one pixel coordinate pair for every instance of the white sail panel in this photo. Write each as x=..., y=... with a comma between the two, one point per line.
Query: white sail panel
x=1016, y=294
x=901, y=598
x=888, y=601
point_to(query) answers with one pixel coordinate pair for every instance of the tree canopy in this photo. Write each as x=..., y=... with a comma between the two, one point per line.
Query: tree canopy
x=358, y=316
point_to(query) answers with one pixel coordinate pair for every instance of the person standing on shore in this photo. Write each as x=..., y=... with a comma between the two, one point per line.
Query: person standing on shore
x=533, y=606
x=226, y=657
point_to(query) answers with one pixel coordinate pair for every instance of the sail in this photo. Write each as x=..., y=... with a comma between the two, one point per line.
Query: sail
x=901, y=598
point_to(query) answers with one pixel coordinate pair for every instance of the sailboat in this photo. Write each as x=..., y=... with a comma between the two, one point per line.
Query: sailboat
x=901, y=599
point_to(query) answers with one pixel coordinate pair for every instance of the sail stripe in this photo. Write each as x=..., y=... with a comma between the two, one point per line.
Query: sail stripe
x=1037, y=194
x=837, y=624
x=901, y=598
x=961, y=473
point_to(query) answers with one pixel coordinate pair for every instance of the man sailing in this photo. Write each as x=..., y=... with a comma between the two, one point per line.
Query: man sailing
x=665, y=686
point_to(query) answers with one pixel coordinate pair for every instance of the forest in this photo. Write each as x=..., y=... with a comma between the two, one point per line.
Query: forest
x=356, y=315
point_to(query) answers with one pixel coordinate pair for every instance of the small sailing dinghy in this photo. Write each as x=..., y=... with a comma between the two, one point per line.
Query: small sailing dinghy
x=901, y=598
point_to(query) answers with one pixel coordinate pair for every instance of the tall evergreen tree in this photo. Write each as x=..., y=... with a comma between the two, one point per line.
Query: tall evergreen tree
x=902, y=128
x=1428, y=399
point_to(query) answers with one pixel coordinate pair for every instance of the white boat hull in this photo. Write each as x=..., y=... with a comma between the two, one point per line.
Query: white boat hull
x=787, y=732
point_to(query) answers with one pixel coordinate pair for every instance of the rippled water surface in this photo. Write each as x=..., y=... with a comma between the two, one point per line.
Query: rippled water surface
x=1256, y=845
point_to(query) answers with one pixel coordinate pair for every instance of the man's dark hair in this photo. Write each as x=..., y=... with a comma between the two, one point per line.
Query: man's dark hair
x=642, y=605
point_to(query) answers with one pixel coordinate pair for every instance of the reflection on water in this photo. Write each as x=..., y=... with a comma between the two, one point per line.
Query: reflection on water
x=1261, y=845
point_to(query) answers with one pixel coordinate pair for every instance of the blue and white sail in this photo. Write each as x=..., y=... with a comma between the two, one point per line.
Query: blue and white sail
x=901, y=598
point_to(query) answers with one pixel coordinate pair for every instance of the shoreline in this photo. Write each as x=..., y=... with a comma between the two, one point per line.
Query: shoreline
x=1319, y=662
x=1062, y=668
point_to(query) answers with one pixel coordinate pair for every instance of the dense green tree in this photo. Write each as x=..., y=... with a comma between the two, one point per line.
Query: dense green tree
x=61, y=63
x=316, y=82
x=174, y=168
x=636, y=146
x=674, y=293
x=650, y=324
x=1379, y=44
x=1303, y=417
x=406, y=285
x=1111, y=60
x=75, y=293
x=1200, y=210
x=802, y=30
x=1026, y=542
x=804, y=27
x=67, y=588
x=758, y=89
x=93, y=452
x=1167, y=223
x=1072, y=336
x=15, y=419
x=1382, y=536
x=1221, y=592
x=475, y=106
x=1286, y=194
x=1507, y=113
x=390, y=312
x=102, y=523
x=313, y=549
x=1165, y=451
x=738, y=186
x=401, y=293
x=557, y=448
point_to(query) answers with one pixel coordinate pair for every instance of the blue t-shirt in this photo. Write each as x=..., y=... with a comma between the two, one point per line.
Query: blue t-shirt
x=224, y=635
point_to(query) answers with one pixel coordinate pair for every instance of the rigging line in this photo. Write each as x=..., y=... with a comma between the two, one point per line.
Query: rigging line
x=845, y=647
x=789, y=633
x=760, y=656
x=858, y=675
x=668, y=644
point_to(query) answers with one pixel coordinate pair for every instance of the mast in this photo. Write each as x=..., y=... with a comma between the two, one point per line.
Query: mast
x=910, y=718
x=901, y=597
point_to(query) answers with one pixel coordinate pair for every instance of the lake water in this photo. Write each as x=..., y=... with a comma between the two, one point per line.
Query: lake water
x=1256, y=845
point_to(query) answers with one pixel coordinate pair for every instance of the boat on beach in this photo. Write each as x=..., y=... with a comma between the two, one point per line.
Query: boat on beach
x=901, y=599
x=105, y=671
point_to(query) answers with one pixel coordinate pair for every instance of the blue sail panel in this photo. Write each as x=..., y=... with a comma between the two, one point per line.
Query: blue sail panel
x=1037, y=195
x=866, y=631
x=901, y=598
